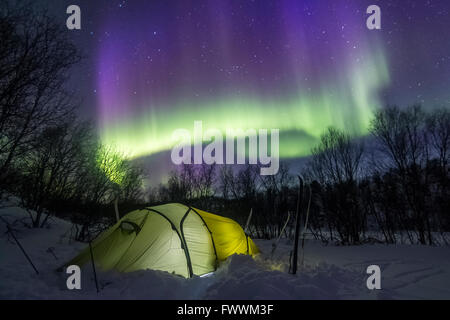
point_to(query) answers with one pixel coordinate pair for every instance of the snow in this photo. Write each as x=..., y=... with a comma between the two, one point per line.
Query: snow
x=328, y=272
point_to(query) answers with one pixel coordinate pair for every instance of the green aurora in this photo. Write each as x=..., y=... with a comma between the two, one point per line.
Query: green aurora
x=345, y=100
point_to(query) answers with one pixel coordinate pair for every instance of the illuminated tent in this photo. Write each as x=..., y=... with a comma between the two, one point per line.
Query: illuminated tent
x=171, y=237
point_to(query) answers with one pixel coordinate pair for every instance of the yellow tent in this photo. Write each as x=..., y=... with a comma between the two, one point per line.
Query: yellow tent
x=171, y=237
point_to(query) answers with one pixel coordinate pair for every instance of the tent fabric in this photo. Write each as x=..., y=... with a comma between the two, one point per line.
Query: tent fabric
x=170, y=237
x=229, y=238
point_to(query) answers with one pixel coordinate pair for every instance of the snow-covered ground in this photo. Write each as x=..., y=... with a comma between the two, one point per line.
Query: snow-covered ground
x=329, y=272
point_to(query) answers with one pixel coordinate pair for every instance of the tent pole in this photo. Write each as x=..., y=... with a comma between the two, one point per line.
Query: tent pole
x=21, y=248
x=297, y=226
x=247, y=225
x=306, y=225
x=275, y=244
x=93, y=266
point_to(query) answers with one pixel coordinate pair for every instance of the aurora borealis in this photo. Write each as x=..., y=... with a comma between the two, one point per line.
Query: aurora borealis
x=295, y=65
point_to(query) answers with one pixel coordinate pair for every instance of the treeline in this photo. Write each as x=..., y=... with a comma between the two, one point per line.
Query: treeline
x=392, y=186
x=49, y=158
x=400, y=186
x=233, y=193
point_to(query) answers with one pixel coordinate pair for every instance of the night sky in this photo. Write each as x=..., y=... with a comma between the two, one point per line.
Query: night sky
x=299, y=66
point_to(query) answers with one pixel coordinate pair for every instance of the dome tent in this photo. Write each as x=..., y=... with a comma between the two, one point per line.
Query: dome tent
x=170, y=237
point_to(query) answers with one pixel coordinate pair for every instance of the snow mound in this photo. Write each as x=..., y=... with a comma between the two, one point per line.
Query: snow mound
x=242, y=277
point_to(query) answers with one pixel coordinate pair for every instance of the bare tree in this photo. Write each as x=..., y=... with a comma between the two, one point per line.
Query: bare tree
x=35, y=58
x=438, y=126
x=336, y=164
x=50, y=168
x=438, y=129
x=131, y=187
x=337, y=158
x=401, y=139
x=226, y=182
x=400, y=135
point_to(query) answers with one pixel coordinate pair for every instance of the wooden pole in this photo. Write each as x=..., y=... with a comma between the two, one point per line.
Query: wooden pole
x=297, y=226
x=93, y=266
x=21, y=248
